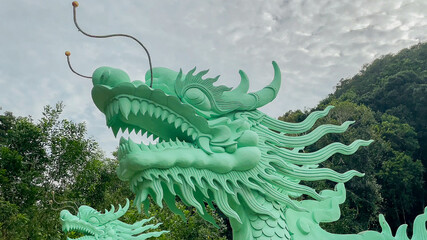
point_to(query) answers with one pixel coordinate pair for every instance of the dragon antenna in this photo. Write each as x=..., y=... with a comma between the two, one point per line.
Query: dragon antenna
x=67, y=53
x=76, y=4
x=65, y=207
x=75, y=207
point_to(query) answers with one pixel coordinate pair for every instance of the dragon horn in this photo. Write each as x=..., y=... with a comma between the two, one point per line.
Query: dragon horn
x=251, y=101
x=121, y=211
x=243, y=85
x=111, y=215
x=269, y=93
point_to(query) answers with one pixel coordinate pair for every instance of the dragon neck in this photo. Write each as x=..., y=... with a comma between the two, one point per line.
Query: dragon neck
x=257, y=226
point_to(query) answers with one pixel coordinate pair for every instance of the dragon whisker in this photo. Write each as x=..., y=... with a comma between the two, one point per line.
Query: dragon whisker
x=76, y=4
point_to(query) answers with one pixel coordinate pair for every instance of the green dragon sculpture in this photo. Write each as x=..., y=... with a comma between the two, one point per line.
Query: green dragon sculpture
x=98, y=226
x=215, y=146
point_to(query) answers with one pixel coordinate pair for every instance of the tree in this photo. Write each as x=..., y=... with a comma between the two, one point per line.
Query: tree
x=36, y=159
x=393, y=182
x=51, y=165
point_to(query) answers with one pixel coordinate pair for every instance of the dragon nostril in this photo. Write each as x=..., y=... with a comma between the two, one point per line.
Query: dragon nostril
x=104, y=77
x=109, y=76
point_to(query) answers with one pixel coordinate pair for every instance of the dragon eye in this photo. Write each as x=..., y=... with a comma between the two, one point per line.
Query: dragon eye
x=197, y=98
x=93, y=220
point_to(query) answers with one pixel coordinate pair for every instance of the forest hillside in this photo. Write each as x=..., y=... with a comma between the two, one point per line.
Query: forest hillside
x=388, y=101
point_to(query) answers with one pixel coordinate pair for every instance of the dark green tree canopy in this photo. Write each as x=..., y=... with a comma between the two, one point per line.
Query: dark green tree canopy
x=388, y=100
x=51, y=164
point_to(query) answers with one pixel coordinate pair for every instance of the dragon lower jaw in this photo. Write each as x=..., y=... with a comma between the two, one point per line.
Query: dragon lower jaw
x=133, y=160
x=69, y=227
x=83, y=238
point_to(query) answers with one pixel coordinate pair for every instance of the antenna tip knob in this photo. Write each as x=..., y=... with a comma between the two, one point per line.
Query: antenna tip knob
x=75, y=4
x=67, y=53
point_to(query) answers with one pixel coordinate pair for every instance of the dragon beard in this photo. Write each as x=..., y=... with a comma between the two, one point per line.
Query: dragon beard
x=277, y=176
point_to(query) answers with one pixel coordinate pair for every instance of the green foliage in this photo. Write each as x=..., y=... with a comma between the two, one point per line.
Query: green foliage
x=363, y=194
x=12, y=223
x=193, y=227
x=67, y=150
x=55, y=155
x=396, y=85
x=36, y=159
x=388, y=101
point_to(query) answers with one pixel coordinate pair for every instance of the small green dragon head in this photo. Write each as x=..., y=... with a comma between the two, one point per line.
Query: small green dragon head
x=214, y=146
x=105, y=226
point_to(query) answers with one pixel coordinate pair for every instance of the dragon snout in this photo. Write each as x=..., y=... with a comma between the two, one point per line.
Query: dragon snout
x=109, y=76
x=64, y=213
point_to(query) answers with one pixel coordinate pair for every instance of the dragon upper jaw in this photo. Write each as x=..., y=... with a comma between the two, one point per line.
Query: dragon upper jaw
x=141, y=109
x=142, y=116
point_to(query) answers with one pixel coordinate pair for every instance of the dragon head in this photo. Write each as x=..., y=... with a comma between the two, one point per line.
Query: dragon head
x=188, y=113
x=96, y=225
x=214, y=146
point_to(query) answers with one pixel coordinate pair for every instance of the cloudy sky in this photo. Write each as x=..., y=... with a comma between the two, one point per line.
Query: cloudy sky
x=315, y=42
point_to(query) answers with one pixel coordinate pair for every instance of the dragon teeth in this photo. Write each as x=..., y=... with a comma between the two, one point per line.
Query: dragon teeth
x=135, y=107
x=164, y=115
x=190, y=131
x=194, y=136
x=123, y=129
x=143, y=107
x=133, y=146
x=109, y=112
x=157, y=112
x=178, y=143
x=184, y=127
x=152, y=146
x=131, y=129
x=171, y=118
x=150, y=110
x=111, y=109
x=160, y=146
x=143, y=132
x=125, y=107
x=115, y=130
x=115, y=105
x=178, y=123
x=143, y=147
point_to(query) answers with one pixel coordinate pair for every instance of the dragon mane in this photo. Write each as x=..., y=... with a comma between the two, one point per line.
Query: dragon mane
x=277, y=176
